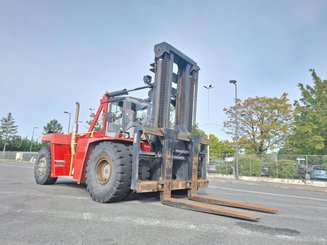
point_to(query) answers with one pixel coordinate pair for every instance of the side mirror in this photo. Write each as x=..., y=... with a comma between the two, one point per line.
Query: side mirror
x=147, y=79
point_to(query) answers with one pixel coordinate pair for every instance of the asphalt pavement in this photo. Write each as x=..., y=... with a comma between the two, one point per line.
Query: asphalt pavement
x=64, y=213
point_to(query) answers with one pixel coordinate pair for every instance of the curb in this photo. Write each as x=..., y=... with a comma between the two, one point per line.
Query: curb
x=273, y=180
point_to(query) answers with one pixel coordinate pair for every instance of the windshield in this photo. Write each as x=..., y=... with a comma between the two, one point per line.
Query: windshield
x=135, y=112
x=114, y=117
x=127, y=113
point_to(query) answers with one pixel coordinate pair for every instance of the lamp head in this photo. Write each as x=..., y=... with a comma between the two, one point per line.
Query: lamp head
x=233, y=81
x=208, y=87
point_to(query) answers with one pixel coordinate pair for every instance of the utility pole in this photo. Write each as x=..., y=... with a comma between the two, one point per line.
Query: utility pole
x=236, y=129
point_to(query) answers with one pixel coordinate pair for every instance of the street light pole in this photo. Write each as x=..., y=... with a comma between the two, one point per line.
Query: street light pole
x=236, y=128
x=69, y=120
x=208, y=119
x=32, y=139
x=208, y=89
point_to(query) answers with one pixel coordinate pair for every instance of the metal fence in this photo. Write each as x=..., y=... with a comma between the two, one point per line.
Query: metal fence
x=271, y=165
x=18, y=156
x=268, y=165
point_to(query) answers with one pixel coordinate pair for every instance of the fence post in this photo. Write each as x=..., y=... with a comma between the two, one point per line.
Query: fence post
x=276, y=166
x=250, y=165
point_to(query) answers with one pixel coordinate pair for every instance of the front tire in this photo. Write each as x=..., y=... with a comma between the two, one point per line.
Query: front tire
x=42, y=168
x=108, y=172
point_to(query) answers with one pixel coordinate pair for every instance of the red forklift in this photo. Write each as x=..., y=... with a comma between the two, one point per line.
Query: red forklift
x=142, y=145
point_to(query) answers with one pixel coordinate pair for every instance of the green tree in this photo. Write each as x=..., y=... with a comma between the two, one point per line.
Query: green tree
x=37, y=146
x=97, y=126
x=8, y=130
x=196, y=130
x=53, y=127
x=24, y=144
x=14, y=144
x=217, y=147
x=263, y=122
x=310, y=119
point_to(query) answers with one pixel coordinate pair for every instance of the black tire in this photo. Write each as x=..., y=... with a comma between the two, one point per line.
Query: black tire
x=108, y=172
x=42, y=168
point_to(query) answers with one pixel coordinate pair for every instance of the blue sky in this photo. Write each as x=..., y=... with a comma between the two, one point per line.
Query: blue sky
x=54, y=53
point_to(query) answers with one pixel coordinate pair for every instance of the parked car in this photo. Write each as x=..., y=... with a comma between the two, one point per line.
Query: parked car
x=318, y=172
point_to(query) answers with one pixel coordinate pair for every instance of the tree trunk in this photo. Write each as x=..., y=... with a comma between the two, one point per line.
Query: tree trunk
x=4, y=149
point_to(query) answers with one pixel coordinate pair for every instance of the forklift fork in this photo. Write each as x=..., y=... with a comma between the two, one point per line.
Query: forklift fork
x=197, y=202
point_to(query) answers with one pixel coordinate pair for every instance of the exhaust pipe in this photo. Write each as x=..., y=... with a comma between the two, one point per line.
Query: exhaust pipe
x=73, y=140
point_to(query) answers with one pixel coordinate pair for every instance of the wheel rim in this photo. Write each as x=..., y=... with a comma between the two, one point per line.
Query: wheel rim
x=42, y=166
x=103, y=170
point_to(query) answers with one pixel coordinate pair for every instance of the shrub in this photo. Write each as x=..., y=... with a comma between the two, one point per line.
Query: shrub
x=284, y=169
x=249, y=165
x=224, y=169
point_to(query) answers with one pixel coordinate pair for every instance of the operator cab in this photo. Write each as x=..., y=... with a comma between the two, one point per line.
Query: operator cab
x=125, y=114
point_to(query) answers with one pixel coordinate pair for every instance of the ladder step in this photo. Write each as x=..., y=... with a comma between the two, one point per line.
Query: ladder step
x=182, y=152
x=147, y=155
x=152, y=155
x=179, y=158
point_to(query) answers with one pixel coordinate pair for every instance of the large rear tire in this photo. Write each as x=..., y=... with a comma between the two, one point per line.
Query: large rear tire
x=108, y=172
x=42, y=168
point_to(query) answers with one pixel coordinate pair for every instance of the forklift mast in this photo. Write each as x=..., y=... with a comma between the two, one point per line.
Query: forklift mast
x=175, y=89
x=177, y=157
x=172, y=114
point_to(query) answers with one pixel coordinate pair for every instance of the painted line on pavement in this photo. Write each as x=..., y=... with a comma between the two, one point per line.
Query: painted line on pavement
x=33, y=193
x=269, y=194
x=16, y=166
